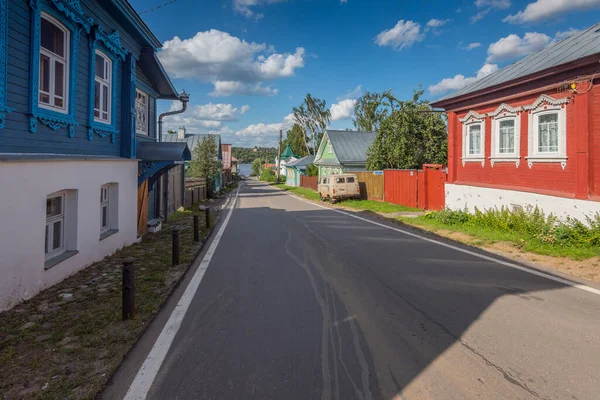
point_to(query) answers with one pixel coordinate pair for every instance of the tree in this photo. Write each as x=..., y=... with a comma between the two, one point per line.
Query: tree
x=296, y=139
x=372, y=108
x=312, y=170
x=313, y=117
x=204, y=162
x=410, y=136
x=256, y=167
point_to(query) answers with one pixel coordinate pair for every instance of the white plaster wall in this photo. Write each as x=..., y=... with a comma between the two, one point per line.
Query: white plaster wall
x=459, y=197
x=25, y=186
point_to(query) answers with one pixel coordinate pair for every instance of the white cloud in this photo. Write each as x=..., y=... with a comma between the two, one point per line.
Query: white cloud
x=513, y=46
x=459, y=81
x=436, y=23
x=485, y=6
x=403, y=34
x=565, y=34
x=266, y=130
x=232, y=88
x=471, y=46
x=352, y=94
x=244, y=7
x=541, y=10
x=217, y=57
x=342, y=110
x=202, y=117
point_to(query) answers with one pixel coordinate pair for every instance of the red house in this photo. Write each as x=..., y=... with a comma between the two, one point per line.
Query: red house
x=529, y=134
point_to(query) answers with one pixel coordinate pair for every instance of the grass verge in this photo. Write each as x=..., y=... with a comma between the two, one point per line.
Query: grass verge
x=68, y=340
x=306, y=193
x=376, y=206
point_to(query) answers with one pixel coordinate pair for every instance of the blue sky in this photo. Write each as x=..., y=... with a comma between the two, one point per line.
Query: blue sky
x=246, y=63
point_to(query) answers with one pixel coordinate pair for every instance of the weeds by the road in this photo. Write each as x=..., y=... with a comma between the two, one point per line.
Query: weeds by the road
x=530, y=230
x=376, y=206
x=66, y=342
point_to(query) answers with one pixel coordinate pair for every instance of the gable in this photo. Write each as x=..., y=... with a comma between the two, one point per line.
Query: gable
x=323, y=154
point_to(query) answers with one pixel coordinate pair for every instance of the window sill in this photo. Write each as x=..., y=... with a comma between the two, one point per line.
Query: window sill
x=108, y=233
x=505, y=159
x=473, y=159
x=562, y=160
x=59, y=258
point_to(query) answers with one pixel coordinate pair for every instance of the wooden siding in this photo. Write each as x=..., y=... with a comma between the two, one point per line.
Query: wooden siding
x=371, y=185
x=16, y=137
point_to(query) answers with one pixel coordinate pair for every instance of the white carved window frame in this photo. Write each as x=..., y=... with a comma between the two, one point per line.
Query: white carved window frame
x=542, y=106
x=505, y=113
x=471, y=119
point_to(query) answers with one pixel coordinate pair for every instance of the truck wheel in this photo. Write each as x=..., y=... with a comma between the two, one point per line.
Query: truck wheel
x=321, y=197
x=333, y=201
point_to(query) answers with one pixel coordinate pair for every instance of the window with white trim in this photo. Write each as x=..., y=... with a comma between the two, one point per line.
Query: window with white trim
x=548, y=131
x=141, y=112
x=54, y=65
x=55, y=225
x=473, y=138
x=104, y=208
x=102, y=88
x=506, y=135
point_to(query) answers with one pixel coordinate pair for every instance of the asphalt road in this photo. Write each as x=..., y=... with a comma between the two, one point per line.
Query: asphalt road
x=301, y=302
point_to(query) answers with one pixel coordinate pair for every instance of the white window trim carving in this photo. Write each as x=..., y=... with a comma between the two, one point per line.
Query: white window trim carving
x=472, y=118
x=142, y=128
x=547, y=105
x=503, y=113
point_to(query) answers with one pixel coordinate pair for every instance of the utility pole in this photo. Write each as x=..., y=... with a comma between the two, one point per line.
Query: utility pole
x=279, y=155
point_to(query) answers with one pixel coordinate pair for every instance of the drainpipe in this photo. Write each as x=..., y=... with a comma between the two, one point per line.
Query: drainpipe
x=184, y=98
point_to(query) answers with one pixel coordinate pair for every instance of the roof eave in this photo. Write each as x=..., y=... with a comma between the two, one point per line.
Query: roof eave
x=152, y=67
x=134, y=18
x=447, y=102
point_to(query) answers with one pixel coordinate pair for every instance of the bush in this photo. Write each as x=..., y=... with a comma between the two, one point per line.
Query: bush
x=267, y=175
x=531, y=222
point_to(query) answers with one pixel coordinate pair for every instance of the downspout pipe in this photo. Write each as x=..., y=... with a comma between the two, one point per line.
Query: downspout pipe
x=184, y=98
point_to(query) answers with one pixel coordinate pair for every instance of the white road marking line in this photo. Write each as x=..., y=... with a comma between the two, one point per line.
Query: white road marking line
x=492, y=259
x=147, y=373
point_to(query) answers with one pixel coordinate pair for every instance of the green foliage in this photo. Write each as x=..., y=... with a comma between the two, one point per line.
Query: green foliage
x=204, y=162
x=246, y=155
x=267, y=175
x=306, y=193
x=296, y=139
x=409, y=135
x=312, y=170
x=376, y=206
x=312, y=116
x=256, y=167
x=370, y=109
x=531, y=223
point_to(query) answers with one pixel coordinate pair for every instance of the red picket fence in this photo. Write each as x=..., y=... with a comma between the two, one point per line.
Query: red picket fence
x=422, y=189
x=309, y=182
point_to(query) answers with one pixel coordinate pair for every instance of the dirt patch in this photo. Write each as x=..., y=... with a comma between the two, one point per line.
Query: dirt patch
x=67, y=341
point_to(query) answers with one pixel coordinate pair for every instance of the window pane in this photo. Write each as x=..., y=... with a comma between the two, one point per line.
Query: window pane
x=547, y=118
x=104, y=98
x=57, y=235
x=59, y=78
x=52, y=38
x=46, y=241
x=97, y=96
x=104, y=216
x=45, y=73
x=58, y=102
x=53, y=206
x=507, y=137
x=475, y=139
x=350, y=180
x=99, y=66
x=548, y=133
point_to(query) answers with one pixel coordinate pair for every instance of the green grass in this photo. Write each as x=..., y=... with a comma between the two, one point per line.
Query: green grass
x=486, y=235
x=307, y=193
x=376, y=206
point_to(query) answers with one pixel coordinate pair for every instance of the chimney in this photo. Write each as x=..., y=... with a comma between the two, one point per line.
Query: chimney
x=181, y=133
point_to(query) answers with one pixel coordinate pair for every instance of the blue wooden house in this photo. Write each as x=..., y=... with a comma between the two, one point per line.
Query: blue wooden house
x=79, y=151
x=297, y=168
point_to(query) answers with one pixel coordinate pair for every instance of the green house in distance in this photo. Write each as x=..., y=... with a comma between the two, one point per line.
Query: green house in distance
x=343, y=151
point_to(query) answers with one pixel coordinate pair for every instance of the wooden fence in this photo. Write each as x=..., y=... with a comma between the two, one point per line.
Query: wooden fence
x=422, y=189
x=309, y=182
x=195, y=191
x=371, y=185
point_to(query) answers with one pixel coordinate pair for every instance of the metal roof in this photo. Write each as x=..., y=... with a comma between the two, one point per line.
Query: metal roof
x=579, y=45
x=192, y=140
x=288, y=152
x=351, y=146
x=160, y=151
x=301, y=163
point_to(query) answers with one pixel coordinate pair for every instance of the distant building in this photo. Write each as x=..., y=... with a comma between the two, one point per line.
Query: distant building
x=343, y=151
x=296, y=168
x=527, y=135
x=286, y=156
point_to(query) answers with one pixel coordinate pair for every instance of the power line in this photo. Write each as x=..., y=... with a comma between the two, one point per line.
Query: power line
x=157, y=7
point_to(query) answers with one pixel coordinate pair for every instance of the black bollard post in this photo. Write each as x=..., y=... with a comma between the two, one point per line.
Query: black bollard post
x=128, y=289
x=175, y=249
x=196, y=228
x=207, y=217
